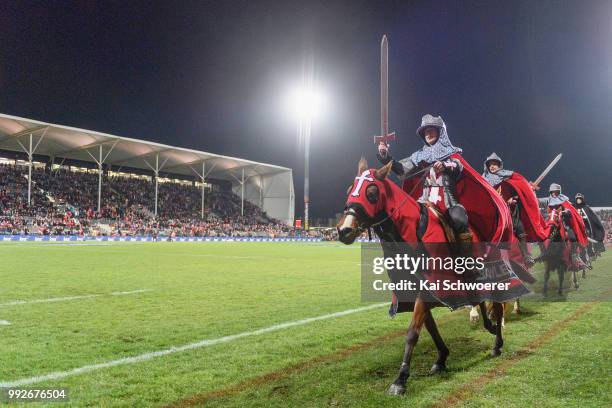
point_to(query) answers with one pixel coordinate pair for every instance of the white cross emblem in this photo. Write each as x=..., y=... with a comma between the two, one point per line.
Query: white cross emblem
x=434, y=192
x=553, y=214
x=360, y=180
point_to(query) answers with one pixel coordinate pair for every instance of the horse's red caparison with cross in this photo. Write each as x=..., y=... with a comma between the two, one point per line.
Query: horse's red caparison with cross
x=375, y=201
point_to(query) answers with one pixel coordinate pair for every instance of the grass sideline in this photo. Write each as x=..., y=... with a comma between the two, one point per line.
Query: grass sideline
x=207, y=290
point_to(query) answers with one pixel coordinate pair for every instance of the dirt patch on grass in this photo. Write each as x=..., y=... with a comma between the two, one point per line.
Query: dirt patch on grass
x=468, y=390
x=456, y=397
x=285, y=372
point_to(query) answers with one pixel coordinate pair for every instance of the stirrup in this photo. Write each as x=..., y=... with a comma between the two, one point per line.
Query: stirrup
x=465, y=237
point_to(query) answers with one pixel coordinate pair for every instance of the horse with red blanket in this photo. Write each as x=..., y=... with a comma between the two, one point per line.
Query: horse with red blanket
x=566, y=236
x=396, y=217
x=527, y=221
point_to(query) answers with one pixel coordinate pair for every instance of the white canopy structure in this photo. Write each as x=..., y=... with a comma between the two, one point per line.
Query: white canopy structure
x=268, y=186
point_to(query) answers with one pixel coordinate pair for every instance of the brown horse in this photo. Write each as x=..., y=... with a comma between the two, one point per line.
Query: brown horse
x=375, y=201
x=556, y=255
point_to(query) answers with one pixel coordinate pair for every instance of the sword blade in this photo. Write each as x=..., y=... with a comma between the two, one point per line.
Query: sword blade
x=547, y=169
x=384, y=86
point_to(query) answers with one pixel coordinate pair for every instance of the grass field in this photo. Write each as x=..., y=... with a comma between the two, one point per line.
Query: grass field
x=91, y=317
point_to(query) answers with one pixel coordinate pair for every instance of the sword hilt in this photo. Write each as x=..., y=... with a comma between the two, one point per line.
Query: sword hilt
x=390, y=137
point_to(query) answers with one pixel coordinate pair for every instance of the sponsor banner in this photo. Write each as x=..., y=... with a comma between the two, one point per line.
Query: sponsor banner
x=74, y=238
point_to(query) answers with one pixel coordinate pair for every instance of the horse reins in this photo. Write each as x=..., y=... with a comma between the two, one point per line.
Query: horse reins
x=404, y=201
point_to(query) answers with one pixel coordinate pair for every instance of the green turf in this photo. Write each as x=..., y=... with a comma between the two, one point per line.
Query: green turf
x=208, y=290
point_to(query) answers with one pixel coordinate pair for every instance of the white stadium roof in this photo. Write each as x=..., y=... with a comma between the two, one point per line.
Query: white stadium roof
x=79, y=144
x=65, y=142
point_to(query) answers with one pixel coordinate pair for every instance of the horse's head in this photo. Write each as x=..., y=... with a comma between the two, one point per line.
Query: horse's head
x=365, y=202
x=554, y=226
x=554, y=232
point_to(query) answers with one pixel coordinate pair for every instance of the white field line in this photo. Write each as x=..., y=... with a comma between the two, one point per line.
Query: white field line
x=57, y=375
x=4, y=323
x=66, y=298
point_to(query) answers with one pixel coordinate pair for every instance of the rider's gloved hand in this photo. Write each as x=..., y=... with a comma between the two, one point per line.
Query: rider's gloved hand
x=382, y=153
x=384, y=157
x=439, y=167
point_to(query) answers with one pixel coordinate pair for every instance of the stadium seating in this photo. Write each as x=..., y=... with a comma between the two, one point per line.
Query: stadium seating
x=65, y=202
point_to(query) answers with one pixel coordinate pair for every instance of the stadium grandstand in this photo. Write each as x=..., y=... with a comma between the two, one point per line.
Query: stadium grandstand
x=60, y=180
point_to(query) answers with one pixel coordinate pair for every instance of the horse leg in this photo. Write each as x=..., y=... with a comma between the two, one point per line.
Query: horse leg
x=473, y=315
x=498, y=315
x=416, y=324
x=486, y=320
x=432, y=328
x=575, y=278
x=561, y=274
x=517, y=307
x=588, y=261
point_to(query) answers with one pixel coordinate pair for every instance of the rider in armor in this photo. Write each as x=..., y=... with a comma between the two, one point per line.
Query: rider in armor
x=594, y=226
x=527, y=221
x=438, y=175
x=559, y=205
x=439, y=184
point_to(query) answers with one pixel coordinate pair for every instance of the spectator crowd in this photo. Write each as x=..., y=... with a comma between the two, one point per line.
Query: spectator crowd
x=64, y=202
x=606, y=220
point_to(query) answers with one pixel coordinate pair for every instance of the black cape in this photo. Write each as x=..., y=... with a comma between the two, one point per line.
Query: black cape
x=597, y=229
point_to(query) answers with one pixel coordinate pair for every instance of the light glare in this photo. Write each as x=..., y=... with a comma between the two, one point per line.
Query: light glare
x=305, y=103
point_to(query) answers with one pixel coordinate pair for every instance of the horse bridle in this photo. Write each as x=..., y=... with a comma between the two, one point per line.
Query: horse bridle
x=405, y=200
x=362, y=226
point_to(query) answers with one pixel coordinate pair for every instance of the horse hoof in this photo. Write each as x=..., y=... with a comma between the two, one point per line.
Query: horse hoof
x=437, y=369
x=496, y=352
x=395, y=389
x=474, y=316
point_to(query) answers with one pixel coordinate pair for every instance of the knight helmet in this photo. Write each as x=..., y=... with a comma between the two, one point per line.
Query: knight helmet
x=430, y=121
x=493, y=157
x=554, y=187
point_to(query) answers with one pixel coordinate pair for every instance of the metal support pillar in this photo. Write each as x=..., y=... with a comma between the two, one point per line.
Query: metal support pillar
x=30, y=153
x=156, y=171
x=202, y=176
x=100, y=181
x=241, y=181
x=261, y=187
x=203, y=182
x=306, y=175
x=156, y=181
x=100, y=161
x=291, y=216
x=242, y=194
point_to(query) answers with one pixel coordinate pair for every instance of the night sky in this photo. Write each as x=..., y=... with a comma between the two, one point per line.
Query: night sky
x=527, y=80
